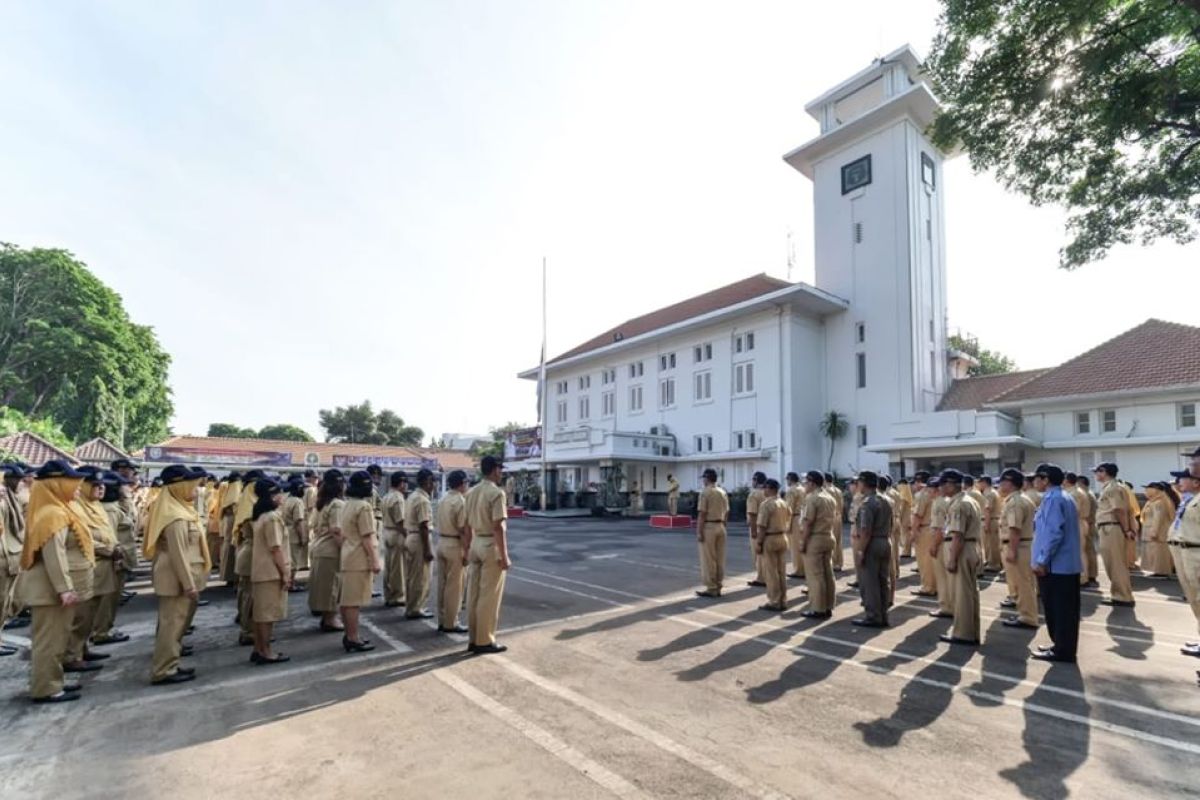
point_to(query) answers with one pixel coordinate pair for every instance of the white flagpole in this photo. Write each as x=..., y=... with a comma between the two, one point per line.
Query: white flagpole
x=544, y=411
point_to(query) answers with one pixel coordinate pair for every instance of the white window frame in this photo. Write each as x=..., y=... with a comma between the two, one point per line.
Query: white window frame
x=608, y=404
x=585, y=407
x=860, y=435
x=637, y=369
x=1103, y=412
x=1087, y=461
x=743, y=379
x=666, y=393
x=636, y=399
x=1181, y=415
x=702, y=352
x=702, y=386
x=585, y=382
x=608, y=376
x=860, y=370
x=562, y=387
x=1083, y=423
x=751, y=440
x=561, y=412
x=666, y=362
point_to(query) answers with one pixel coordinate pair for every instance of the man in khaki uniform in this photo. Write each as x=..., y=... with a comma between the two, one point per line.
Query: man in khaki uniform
x=774, y=519
x=991, y=508
x=454, y=542
x=1077, y=488
x=1183, y=539
x=713, y=514
x=888, y=494
x=489, y=562
x=922, y=518
x=945, y=587
x=1016, y=536
x=1031, y=491
x=753, y=501
x=857, y=498
x=817, y=546
x=839, y=509
x=12, y=539
x=418, y=547
x=963, y=528
x=794, y=499
x=672, y=495
x=1115, y=523
x=393, y=542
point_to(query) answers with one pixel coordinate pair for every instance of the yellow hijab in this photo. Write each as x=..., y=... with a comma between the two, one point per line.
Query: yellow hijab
x=94, y=516
x=244, y=511
x=49, y=512
x=172, y=506
x=905, y=492
x=231, y=492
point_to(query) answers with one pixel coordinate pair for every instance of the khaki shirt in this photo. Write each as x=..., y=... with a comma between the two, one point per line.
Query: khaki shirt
x=1112, y=499
x=938, y=512
x=485, y=507
x=672, y=488
x=418, y=508
x=856, y=504
x=714, y=505
x=178, y=559
x=1034, y=496
x=270, y=532
x=294, y=517
x=839, y=502
x=49, y=576
x=1018, y=513
x=1085, y=506
x=452, y=515
x=794, y=498
x=963, y=518
x=923, y=506
x=324, y=545
x=393, y=510
x=991, y=508
x=774, y=516
x=753, y=502
x=820, y=509
x=358, y=526
x=1189, y=524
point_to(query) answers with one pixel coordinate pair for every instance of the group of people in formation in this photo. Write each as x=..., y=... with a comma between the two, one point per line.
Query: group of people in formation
x=1045, y=531
x=71, y=542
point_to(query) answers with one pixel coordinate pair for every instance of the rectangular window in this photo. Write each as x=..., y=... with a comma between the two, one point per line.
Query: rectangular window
x=1187, y=415
x=608, y=404
x=562, y=387
x=1108, y=456
x=928, y=174
x=739, y=440
x=862, y=435
x=635, y=398
x=860, y=333
x=666, y=361
x=749, y=341
x=856, y=174
x=702, y=352
x=1087, y=461
x=743, y=378
x=637, y=369
x=666, y=393
x=585, y=407
x=751, y=440
x=1083, y=423
x=608, y=376
x=562, y=412
x=1108, y=420
x=702, y=390
x=737, y=344
x=708, y=443
x=860, y=365
x=585, y=382
x=699, y=443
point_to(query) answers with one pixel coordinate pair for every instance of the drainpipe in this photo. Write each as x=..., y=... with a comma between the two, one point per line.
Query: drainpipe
x=780, y=380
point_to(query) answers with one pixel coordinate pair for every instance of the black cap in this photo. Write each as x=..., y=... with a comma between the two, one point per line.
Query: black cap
x=771, y=484
x=58, y=469
x=92, y=474
x=266, y=486
x=885, y=482
x=253, y=475
x=710, y=474
x=233, y=476
x=309, y=473
x=921, y=475
x=116, y=479
x=176, y=473
x=816, y=477
x=456, y=479
x=1107, y=467
x=1194, y=454
x=950, y=476
x=199, y=473
x=15, y=470
x=1183, y=473
x=360, y=484
x=869, y=479
x=374, y=469
x=122, y=463
x=1013, y=476
x=1052, y=472
x=934, y=482
x=333, y=475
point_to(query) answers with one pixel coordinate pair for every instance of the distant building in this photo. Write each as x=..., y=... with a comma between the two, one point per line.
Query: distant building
x=464, y=441
x=99, y=452
x=33, y=450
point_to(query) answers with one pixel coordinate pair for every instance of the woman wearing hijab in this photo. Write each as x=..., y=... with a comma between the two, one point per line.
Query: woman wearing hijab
x=271, y=571
x=326, y=551
x=359, y=558
x=1135, y=519
x=55, y=538
x=175, y=544
x=243, y=541
x=293, y=514
x=119, y=518
x=102, y=575
x=227, y=503
x=1157, y=516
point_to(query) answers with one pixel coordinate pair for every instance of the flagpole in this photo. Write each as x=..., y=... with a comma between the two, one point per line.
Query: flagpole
x=544, y=412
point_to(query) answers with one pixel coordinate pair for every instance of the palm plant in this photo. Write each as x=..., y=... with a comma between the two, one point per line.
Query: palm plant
x=833, y=427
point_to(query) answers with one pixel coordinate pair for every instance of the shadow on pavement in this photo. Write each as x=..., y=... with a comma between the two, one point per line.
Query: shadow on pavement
x=1055, y=749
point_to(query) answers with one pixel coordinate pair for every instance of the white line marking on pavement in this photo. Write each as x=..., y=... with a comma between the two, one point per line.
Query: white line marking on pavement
x=699, y=760
x=395, y=644
x=556, y=747
x=432, y=624
x=602, y=556
x=1024, y=705
x=570, y=591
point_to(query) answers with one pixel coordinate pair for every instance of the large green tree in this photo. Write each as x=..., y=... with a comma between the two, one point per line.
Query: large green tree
x=990, y=361
x=69, y=352
x=359, y=424
x=227, y=430
x=1090, y=104
x=284, y=432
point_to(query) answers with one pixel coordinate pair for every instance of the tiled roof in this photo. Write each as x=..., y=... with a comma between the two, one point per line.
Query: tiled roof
x=734, y=293
x=973, y=393
x=33, y=449
x=99, y=451
x=1153, y=355
x=447, y=459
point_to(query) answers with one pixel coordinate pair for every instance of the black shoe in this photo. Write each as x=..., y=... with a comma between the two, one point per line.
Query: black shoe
x=1190, y=651
x=945, y=637
x=326, y=628
x=919, y=593
x=796, y=575
x=185, y=651
x=190, y=630
x=127, y=595
x=1092, y=584
x=7, y=650
x=419, y=615
x=755, y=583
x=356, y=647
x=376, y=594
x=863, y=622
x=16, y=622
x=258, y=660
x=816, y=614
x=90, y=656
x=1044, y=648
x=61, y=697
x=1013, y=622
x=72, y=687
x=769, y=607
x=116, y=637
x=174, y=677
x=1108, y=601
x=941, y=615
x=396, y=604
x=245, y=641
x=487, y=649
x=708, y=594
x=82, y=666
x=455, y=629
x=186, y=670
x=852, y=584
x=202, y=603
x=1008, y=602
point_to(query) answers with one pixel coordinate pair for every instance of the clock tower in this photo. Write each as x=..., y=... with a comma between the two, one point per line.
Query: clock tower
x=879, y=234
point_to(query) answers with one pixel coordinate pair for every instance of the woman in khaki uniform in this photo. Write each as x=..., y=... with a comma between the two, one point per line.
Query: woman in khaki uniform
x=227, y=503
x=104, y=574
x=175, y=543
x=359, y=558
x=271, y=570
x=104, y=630
x=12, y=537
x=293, y=516
x=325, y=550
x=1157, y=516
x=243, y=542
x=54, y=531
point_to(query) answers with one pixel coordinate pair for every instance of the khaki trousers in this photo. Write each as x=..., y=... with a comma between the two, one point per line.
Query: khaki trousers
x=712, y=557
x=838, y=553
x=214, y=548
x=485, y=589
x=1113, y=551
x=450, y=580
x=795, y=538
x=774, y=564
x=925, y=562
x=393, y=567
x=1021, y=578
x=416, y=575
x=168, y=639
x=1087, y=544
x=81, y=629
x=8, y=601
x=106, y=614
x=908, y=538
x=323, y=585
x=1131, y=554
x=992, y=557
x=672, y=505
x=298, y=556
x=966, y=593
x=757, y=559
x=894, y=565
x=50, y=631
x=818, y=567
x=245, y=603
x=1187, y=569
x=945, y=587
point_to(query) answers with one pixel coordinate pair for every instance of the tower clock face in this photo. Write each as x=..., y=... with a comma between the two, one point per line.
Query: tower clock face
x=855, y=174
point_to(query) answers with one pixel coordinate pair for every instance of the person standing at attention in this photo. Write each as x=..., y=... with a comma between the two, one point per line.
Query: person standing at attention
x=774, y=518
x=672, y=495
x=1057, y=561
x=271, y=572
x=418, y=547
x=817, y=546
x=1116, y=526
x=393, y=542
x=757, y=495
x=454, y=542
x=794, y=498
x=964, y=528
x=1017, y=540
x=713, y=508
x=873, y=553
x=489, y=561
x=360, y=561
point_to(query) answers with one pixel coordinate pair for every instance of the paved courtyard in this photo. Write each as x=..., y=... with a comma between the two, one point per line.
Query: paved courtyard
x=620, y=682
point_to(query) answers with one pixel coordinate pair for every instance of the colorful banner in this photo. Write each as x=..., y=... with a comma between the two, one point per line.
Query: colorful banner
x=385, y=462
x=241, y=458
x=522, y=444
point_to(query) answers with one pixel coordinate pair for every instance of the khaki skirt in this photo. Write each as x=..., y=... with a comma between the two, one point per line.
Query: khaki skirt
x=323, y=585
x=270, y=601
x=356, y=588
x=105, y=576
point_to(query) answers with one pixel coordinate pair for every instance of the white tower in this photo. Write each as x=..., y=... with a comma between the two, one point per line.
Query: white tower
x=877, y=203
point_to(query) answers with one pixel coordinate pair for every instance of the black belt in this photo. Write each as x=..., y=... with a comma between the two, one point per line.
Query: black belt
x=1108, y=524
x=1006, y=541
x=774, y=533
x=448, y=536
x=1184, y=545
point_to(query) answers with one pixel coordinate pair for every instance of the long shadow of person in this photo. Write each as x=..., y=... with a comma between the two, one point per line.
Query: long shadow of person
x=1055, y=747
x=699, y=637
x=1131, y=644
x=923, y=699
x=1004, y=647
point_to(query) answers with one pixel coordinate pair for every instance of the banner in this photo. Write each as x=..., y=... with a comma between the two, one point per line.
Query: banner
x=522, y=444
x=385, y=462
x=207, y=455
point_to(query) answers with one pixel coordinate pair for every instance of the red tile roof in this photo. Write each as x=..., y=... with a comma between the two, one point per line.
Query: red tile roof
x=33, y=449
x=734, y=293
x=99, y=451
x=974, y=393
x=1155, y=354
x=447, y=459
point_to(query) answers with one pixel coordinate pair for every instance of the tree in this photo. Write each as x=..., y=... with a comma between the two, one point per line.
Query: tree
x=13, y=421
x=284, y=433
x=70, y=353
x=496, y=446
x=833, y=426
x=990, y=362
x=229, y=431
x=359, y=424
x=1091, y=105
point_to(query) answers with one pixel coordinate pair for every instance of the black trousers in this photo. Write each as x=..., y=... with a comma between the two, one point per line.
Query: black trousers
x=1060, y=601
x=875, y=578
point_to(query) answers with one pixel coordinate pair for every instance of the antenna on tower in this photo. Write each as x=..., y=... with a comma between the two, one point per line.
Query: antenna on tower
x=791, y=255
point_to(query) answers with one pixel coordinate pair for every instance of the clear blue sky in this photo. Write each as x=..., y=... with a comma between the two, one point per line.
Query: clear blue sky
x=316, y=203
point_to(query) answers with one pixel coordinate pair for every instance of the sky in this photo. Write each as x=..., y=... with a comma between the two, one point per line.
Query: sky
x=319, y=203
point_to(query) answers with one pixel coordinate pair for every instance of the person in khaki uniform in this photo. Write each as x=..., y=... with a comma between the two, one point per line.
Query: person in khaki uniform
x=1085, y=504
x=127, y=525
x=270, y=571
x=1157, y=516
x=294, y=518
x=227, y=505
x=243, y=541
x=888, y=494
x=991, y=508
x=104, y=629
x=1030, y=491
x=963, y=529
x=53, y=530
x=857, y=497
x=1184, y=541
x=817, y=546
x=360, y=561
x=794, y=499
x=753, y=501
x=945, y=587
x=176, y=544
x=12, y=540
x=392, y=509
x=904, y=489
x=713, y=515
x=839, y=508
x=672, y=495
x=1115, y=523
x=326, y=551
x=922, y=520
x=774, y=519
x=103, y=578
x=418, y=547
x=454, y=542
x=1016, y=536
x=873, y=526
x=489, y=561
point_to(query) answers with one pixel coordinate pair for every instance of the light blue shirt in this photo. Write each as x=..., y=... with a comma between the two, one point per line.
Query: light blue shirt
x=1056, y=534
x=1187, y=498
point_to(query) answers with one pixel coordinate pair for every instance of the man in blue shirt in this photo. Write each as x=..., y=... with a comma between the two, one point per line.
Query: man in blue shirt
x=1057, y=562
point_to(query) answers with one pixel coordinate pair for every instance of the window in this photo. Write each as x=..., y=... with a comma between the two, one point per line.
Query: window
x=703, y=443
x=1108, y=420
x=751, y=439
x=585, y=382
x=666, y=361
x=860, y=333
x=635, y=398
x=1108, y=455
x=561, y=416
x=666, y=393
x=856, y=232
x=739, y=440
x=608, y=404
x=708, y=443
x=860, y=364
x=856, y=174
x=743, y=378
x=608, y=376
x=699, y=443
x=1087, y=461
x=585, y=407
x=862, y=435
x=561, y=387
x=1083, y=422
x=702, y=352
x=1187, y=415
x=743, y=343
x=745, y=440
x=637, y=369
x=702, y=390
x=928, y=173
